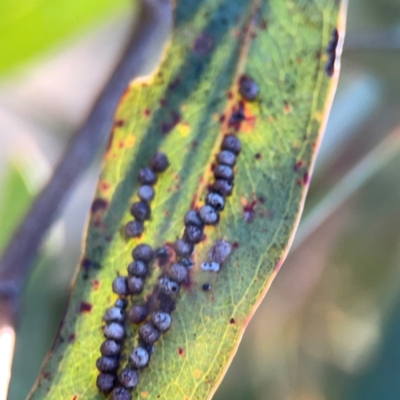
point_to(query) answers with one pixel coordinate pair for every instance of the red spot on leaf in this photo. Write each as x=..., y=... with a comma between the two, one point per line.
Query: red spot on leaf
x=235, y=245
x=298, y=166
x=85, y=307
x=119, y=123
x=249, y=211
x=181, y=352
x=147, y=112
x=96, y=284
x=232, y=321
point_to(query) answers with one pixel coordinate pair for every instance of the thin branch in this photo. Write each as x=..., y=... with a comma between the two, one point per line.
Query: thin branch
x=152, y=23
x=375, y=160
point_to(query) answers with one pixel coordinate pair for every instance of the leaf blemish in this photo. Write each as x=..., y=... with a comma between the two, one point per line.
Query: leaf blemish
x=167, y=127
x=181, y=352
x=85, y=307
x=203, y=44
x=99, y=205
x=249, y=211
x=232, y=321
x=71, y=338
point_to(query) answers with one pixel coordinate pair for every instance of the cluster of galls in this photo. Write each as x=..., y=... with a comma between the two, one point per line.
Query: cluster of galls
x=159, y=322
x=215, y=198
x=140, y=210
x=168, y=284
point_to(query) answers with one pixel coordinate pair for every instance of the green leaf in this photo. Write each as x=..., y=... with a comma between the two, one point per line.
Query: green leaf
x=28, y=27
x=184, y=110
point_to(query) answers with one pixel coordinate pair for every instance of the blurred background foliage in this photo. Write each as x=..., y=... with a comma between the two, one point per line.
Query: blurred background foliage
x=328, y=328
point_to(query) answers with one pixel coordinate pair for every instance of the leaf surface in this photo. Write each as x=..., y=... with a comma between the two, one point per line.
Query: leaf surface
x=184, y=110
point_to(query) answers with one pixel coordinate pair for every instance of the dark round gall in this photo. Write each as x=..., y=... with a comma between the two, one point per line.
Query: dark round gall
x=223, y=172
x=134, y=229
x=147, y=176
x=248, y=89
x=161, y=320
x=107, y=364
x=226, y=157
x=208, y=215
x=139, y=357
x=149, y=333
x=114, y=331
x=207, y=287
x=137, y=268
x=119, y=286
x=187, y=262
x=168, y=286
x=231, y=143
x=141, y=210
x=178, y=273
x=193, y=234
x=143, y=252
x=137, y=314
x=106, y=382
x=120, y=393
x=159, y=162
x=110, y=348
x=121, y=303
x=114, y=314
x=215, y=200
x=192, y=218
x=222, y=187
x=129, y=378
x=183, y=248
x=135, y=285
x=146, y=193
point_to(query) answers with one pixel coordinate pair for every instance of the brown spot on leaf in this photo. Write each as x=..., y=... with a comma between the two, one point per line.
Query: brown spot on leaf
x=181, y=352
x=257, y=156
x=104, y=186
x=85, y=307
x=299, y=165
x=71, y=338
x=306, y=178
x=96, y=284
x=232, y=321
x=167, y=127
x=237, y=116
x=203, y=44
x=147, y=112
x=174, y=84
x=110, y=140
x=119, y=123
x=235, y=245
x=99, y=205
x=249, y=211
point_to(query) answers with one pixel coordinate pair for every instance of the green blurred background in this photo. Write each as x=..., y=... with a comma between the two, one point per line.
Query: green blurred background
x=328, y=328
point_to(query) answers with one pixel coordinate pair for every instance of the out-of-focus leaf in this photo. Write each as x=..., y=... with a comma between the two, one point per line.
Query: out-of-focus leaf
x=185, y=110
x=14, y=202
x=28, y=27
